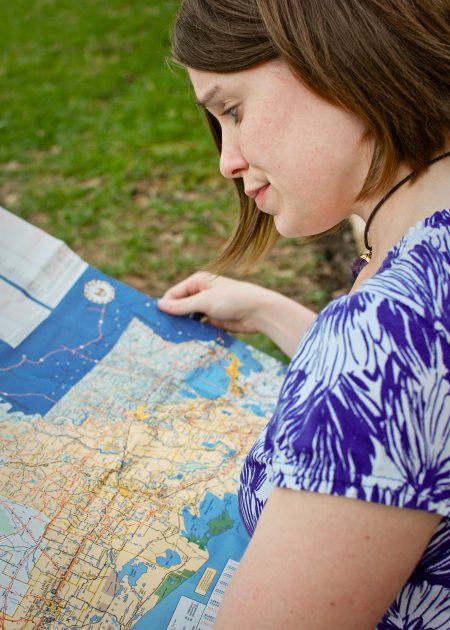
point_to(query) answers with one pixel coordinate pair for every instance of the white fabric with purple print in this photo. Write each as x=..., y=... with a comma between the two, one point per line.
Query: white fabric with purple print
x=364, y=410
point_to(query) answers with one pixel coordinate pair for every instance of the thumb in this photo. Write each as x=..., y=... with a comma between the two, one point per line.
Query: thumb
x=182, y=306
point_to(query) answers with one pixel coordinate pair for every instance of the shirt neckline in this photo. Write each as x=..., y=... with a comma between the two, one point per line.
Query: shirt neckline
x=437, y=219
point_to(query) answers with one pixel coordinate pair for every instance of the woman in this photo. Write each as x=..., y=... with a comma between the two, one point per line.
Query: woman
x=320, y=110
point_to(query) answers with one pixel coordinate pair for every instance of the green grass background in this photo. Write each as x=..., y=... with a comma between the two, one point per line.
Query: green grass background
x=101, y=145
x=92, y=118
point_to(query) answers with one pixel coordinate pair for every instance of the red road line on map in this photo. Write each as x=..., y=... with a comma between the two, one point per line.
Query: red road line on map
x=32, y=549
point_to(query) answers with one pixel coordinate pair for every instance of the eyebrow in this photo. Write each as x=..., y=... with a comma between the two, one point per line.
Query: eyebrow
x=208, y=97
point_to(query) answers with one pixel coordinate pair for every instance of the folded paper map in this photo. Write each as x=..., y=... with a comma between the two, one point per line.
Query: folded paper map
x=122, y=434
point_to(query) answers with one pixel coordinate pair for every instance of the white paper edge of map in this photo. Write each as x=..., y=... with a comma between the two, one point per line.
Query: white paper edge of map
x=35, y=261
x=19, y=315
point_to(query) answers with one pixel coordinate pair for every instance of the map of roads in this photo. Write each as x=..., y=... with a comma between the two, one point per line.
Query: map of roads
x=122, y=433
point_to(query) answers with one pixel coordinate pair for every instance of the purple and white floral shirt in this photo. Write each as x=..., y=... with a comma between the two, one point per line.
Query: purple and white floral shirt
x=364, y=410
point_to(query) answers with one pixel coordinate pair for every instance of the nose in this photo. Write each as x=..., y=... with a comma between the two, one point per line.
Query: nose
x=232, y=162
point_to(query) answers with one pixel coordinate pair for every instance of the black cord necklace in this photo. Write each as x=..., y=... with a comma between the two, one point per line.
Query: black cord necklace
x=362, y=260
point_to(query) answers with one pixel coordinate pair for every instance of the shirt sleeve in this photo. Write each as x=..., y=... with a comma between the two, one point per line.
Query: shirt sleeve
x=364, y=410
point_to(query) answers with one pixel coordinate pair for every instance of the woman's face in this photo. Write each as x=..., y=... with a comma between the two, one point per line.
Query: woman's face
x=301, y=158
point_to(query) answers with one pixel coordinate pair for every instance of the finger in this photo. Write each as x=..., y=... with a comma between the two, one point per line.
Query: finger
x=194, y=284
x=182, y=306
x=181, y=290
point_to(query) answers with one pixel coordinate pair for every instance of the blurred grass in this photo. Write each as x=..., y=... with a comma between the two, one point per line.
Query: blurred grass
x=101, y=144
x=89, y=111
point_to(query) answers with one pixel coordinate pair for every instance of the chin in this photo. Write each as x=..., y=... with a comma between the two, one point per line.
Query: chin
x=288, y=231
x=296, y=230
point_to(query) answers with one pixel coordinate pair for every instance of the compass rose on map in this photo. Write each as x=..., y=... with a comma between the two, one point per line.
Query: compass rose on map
x=99, y=291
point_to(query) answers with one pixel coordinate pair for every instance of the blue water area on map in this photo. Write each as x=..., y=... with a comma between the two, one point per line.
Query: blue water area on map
x=186, y=394
x=211, y=508
x=67, y=345
x=211, y=382
x=133, y=571
x=248, y=362
x=256, y=409
x=229, y=451
x=230, y=544
x=178, y=476
x=169, y=560
x=6, y=525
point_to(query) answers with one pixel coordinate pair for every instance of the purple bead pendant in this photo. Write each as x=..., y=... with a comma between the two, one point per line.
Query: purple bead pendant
x=359, y=264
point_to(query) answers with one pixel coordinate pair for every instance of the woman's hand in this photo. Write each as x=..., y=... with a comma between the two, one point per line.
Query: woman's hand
x=225, y=303
x=240, y=307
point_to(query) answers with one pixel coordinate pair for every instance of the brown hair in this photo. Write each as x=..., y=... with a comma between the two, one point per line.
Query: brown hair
x=386, y=61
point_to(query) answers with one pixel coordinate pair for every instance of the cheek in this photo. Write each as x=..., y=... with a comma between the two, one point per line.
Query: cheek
x=263, y=143
x=252, y=140
x=264, y=129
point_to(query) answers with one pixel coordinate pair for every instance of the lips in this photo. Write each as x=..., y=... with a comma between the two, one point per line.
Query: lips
x=258, y=194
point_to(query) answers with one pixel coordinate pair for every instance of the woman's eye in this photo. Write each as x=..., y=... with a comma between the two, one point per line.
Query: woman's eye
x=233, y=112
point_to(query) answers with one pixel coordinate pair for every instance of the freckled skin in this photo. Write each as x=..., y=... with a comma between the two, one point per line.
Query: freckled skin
x=311, y=152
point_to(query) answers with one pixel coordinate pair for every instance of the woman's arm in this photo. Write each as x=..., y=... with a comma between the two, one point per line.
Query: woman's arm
x=240, y=307
x=323, y=562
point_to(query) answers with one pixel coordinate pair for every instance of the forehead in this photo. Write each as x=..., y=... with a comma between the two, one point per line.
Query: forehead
x=212, y=85
x=207, y=85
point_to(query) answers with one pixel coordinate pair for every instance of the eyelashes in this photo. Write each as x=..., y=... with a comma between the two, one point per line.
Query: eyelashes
x=233, y=112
